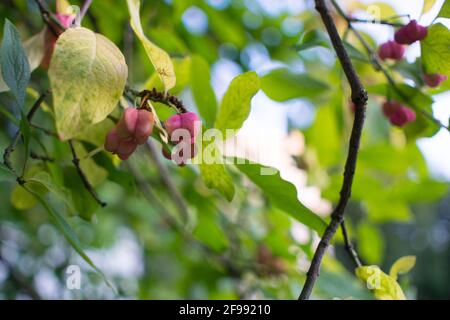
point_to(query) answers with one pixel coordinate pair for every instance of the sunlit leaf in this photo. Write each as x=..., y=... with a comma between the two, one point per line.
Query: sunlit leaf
x=235, y=105
x=88, y=74
x=402, y=265
x=281, y=193
x=282, y=85
x=159, y=58
x=202, y=90
x=383, y=286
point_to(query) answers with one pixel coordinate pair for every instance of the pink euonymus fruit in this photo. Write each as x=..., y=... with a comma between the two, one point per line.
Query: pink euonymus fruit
x=410, y=33
x=133, y=129
x=435, y=79
x=182, y=129
x=51, y=37
x=398, y=114
x=391, y=50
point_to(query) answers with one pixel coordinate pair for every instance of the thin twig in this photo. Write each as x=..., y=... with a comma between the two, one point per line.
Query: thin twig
x=85, y=8
x=359, y=98
x=86, y=183
x=374, y=21
x=167, y=180
x=348, y=245
x=36, y=156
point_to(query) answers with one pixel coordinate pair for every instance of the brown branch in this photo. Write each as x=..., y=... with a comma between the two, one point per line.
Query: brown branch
x=359, y=98
x=156, y=96
x=86, y=183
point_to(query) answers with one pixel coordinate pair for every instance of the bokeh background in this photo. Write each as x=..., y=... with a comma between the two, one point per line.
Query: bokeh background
x=246, y=248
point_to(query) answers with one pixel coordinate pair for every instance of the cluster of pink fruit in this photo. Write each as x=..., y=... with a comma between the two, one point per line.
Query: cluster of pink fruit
x=397, y=113
x=136, y=126
x=406, y=35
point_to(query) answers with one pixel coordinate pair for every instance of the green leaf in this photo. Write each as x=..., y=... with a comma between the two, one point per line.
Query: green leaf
x=213, y=171
x=435, y=50
x=159, y=58
x=281, y=193
x=383, y=286
x=202, y=90
x=371, y=243
x=354, y=53
x=282, y=85
x=402, y=265
x=445, y=10
x=34, y=49
x=69, y=234
x=313, y=38
x=14, y=65
x=235, y=106
x=87, y=74
x=427, y=5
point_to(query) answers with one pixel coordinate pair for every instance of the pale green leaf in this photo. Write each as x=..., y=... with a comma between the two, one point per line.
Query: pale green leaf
x=427, y=5
x=202, y=90
x=445, y=10
x=402, y=265
x=281, y=193
x=282, y=84
x=159, y=58
x=88, y=74
x=235, y=106
x=214, y=172
x=370, y=243
x=436, y=50
x=383, y=286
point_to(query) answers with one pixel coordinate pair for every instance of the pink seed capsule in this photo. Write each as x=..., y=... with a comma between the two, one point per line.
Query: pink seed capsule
x=389, y=107
x=402, y=116
x=144, y=126
x=112, y=141
x=435, y=79
x=391, y=50
x=127, y=124
x=188, y=121
x=410, y=33
x=126, y=149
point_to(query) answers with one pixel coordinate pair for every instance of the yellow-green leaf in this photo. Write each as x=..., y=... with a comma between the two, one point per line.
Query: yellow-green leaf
x=213, y=171
x=235, y=106
x=87, y=74
x=160, y=59
x=402, y=265
x=435, y=50
x=427, y=5
x=383, y=286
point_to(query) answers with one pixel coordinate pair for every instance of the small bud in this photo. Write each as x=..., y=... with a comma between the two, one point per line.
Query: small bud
x=389, y=107
x=435, y=79
x=391, y=50
x=410, y=33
